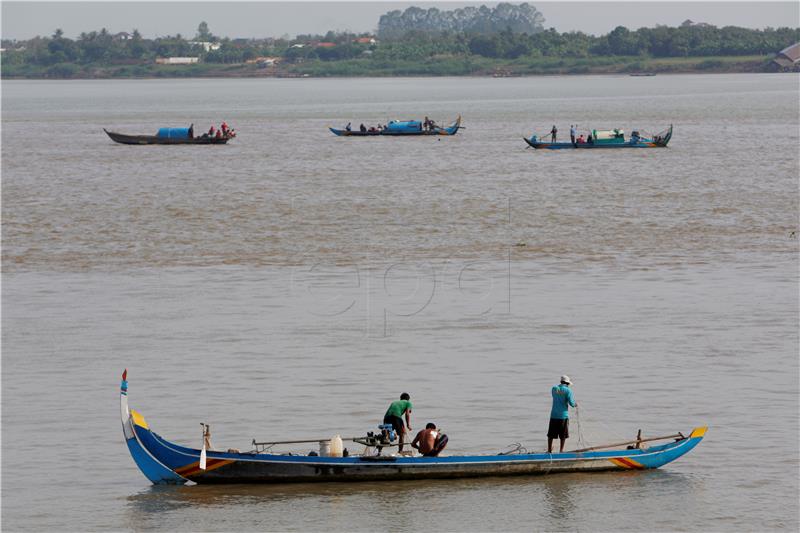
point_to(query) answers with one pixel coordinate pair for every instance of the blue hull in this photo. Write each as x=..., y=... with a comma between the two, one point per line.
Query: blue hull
x=656, y=142
x=586, y=146
x=165, y=462
x=451, y=130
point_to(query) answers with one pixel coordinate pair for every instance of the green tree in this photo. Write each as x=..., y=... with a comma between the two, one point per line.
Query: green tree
x=137, y=46
x=203, y=33
x=622, y=42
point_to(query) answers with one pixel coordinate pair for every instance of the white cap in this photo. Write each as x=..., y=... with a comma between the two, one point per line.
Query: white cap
x=565, y=379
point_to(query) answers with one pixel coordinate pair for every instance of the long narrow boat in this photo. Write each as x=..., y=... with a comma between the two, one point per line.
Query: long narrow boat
x=166, y=136
x=164, y=462
x=405, y=128
x=606, y=139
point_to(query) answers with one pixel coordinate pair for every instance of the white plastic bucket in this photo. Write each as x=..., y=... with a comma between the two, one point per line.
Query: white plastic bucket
x=324, y=448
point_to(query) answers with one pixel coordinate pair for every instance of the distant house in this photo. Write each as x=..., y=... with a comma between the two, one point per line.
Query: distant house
x=177, y=60
x=689, y=23
x=264, y=61
x=207, y=46
x=788, y=58
x=365, y=40
x=122, y=36
x=298, y=45
x=325, y=45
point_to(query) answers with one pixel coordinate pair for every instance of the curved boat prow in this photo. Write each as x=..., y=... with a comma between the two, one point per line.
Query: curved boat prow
x=668, y=136
x=453, y=129
x=150, y=467
x=670, y=452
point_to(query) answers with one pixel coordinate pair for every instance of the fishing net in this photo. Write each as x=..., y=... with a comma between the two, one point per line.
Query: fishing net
x=586, y=424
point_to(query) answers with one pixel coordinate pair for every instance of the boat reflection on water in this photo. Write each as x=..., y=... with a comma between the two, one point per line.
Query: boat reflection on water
x=400, y=505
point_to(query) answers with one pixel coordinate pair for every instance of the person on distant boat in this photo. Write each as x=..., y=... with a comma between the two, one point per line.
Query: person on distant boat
x=211, y=131
x=559, y=414
x=553, y=133
x=218, y=135
x=430, y=442
x=572, y=132
x=349, y=127
x=191, y=131
x=363, y=128
x=581, y=140
x=224, y=128
x=589, y=139
x=394, y=416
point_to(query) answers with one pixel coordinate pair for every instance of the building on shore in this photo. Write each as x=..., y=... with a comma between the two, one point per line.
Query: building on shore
x=207, y=46
x=176, y=60
x=788, y=59
x=264, y=61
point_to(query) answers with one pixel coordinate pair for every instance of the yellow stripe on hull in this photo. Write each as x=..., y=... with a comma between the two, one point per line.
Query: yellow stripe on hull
x=194, y=468
x=138, y=419
x=698, y=432
x=626, y=463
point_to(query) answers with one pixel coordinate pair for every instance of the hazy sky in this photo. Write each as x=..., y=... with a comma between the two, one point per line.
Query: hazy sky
x=22, y=20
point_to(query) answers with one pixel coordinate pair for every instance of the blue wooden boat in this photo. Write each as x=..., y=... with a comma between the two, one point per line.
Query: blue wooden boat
x=401, y=128
x=167, y=136
x=605, y=139
x=164, y=462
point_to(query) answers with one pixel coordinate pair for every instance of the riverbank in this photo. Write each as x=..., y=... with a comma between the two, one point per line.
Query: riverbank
x=434, y=66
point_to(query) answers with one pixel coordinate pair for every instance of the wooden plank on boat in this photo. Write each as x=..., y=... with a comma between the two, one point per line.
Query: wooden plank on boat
x=307, y=441
x=678, y=435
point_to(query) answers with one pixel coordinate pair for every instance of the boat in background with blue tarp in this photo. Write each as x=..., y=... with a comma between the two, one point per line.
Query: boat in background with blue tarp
x=168, y=136
x=401, y=128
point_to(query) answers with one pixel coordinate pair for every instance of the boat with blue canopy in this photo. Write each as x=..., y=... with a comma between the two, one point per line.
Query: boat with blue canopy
x=169, y=136
x=164, y=462
x=604, y=139
x=400, y=128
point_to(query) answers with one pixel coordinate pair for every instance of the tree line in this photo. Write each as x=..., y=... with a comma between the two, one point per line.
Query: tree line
x=60, y=56
x=522, y=18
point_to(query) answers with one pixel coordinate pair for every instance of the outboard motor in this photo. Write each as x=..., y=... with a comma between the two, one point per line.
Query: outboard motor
x=379, y=440
x=388, y=433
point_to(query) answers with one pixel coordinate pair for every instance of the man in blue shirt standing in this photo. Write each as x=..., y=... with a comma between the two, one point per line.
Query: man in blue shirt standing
x=559, y=414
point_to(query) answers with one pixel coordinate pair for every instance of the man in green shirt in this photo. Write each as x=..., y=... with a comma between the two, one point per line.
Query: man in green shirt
x=394, y=416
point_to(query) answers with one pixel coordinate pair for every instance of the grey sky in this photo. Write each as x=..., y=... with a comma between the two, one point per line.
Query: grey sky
x=22, y=20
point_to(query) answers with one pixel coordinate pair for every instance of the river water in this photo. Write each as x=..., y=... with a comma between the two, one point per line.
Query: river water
x=292, y=283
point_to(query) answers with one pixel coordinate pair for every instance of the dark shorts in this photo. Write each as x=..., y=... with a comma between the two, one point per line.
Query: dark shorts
x=396, y=422
x=559, y=428
x=441, y=444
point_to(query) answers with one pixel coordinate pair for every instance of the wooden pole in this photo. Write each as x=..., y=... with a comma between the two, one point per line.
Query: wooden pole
x=273, y=443
x=665, y=437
